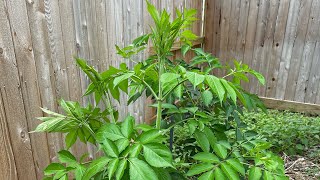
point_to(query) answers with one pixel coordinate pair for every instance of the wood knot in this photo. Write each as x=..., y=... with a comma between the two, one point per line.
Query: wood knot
x=22, y=134
x=30, y=48
x=1, y=51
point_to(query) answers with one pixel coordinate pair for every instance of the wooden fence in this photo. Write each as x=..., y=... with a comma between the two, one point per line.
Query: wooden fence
x=279, y=38
x=38, y=39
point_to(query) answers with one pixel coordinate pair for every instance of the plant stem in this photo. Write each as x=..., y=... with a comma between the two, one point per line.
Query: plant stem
x=164, y=97
x=159, y=99
x=148, y=86
x=109, y=107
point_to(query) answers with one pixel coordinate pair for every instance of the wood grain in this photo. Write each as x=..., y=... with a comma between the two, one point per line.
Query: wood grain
x=313, y=109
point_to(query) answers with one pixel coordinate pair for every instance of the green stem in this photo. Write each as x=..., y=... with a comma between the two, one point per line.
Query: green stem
x=148, y=86
x=109, y=107
x=159, y=99
x=165, y=96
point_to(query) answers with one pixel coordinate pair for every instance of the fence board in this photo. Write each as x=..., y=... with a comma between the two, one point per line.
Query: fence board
x=11, y=90
x=278, y=38
x=38, y=40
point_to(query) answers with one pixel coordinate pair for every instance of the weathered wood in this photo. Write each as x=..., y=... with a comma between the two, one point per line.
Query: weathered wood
x=291, y=106
x=8, y=167
x=242, y=29
x=267, y=43
x=297, y=50
x=274, y=38
x=11, y=90
x=250, y=34
x=233, y=30
x=308, y=51
x=259, y=42
x=275, y=56
x=313, y=89
x=28, y=79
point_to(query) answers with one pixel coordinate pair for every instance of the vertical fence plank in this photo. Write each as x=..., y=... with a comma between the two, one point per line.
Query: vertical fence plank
x=313, y=88
x=308, y=51
x=233, y=30
x=242, y=28
x=28, y=80
x=8, y=166
x=275, y=56
x=41, y=50
x=81, y=38
x=267, y=43
x=259, y=41
x=250, y=34
x=297, y=49
x=289, y=39
x=11, y=90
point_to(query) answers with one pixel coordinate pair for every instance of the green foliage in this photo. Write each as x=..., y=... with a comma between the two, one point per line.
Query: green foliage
x=292, y=133
x=183, y=94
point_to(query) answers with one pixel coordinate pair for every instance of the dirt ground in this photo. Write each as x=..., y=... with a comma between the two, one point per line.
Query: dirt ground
x=305, y=167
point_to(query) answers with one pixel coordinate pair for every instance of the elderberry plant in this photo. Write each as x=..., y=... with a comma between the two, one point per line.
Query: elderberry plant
x=185, y=94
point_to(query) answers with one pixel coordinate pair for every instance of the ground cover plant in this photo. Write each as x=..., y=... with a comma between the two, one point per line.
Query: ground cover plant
x=185, y=94
x=292, y=133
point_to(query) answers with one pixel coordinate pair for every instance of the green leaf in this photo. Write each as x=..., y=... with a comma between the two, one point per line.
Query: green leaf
x=206, y=97
x=195, y=78
x=110, y=148
x=255, y=173
x=220, y=150
x=79, y=172
x=192, y=125
x=149, y=136
x=143, y=127
x=184, y=49
x=165, y=106
x=232, y=93
x=53, y=168
x=122, y=144
x=121, y=168
x=235, y=164
x=66, y=157
x=258, y=76
x=139, y=170
x=153, y=12
x=112, y=167
x=135, y=150
x=267, y=175
x=199, y=168
x=202, y=140
x=54, y=125
x=207, y=176
x=95, y=167
x=51, y=113
x=121, y=78
x=157, y=155
x=218, y=174
x=229, y=172
x=141, y=40
x=210, y=136
x=206, y=157
x=127, y=126
x=168, y=77
x=216, y=86
x=71, y=138
x=109, y=131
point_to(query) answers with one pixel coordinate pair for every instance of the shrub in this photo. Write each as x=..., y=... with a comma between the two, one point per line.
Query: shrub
x=183, y=94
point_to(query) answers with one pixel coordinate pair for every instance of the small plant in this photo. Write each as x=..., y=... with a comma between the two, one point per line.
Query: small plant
x=184, y=95
x=292, y=133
